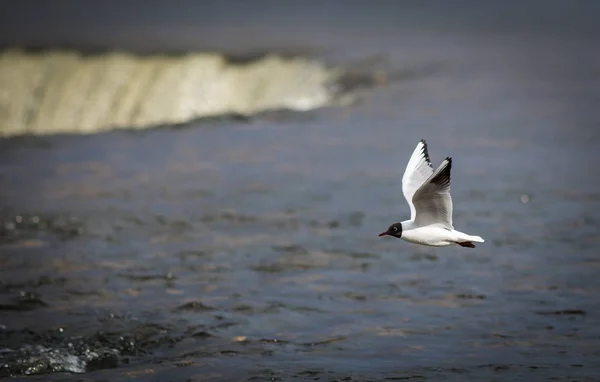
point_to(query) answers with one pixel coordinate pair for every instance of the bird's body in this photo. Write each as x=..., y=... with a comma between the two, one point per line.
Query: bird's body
x=428, y=195
x=434, y=236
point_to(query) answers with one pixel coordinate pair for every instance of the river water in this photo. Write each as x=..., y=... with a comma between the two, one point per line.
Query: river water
x=248, y=250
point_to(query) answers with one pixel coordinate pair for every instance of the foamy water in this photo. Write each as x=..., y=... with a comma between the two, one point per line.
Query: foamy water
x=66, y=92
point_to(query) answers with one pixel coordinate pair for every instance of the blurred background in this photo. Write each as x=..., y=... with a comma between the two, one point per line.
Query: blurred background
x=192, y=190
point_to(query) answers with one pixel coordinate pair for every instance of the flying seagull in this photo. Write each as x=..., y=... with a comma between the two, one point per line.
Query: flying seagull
x=428, y=195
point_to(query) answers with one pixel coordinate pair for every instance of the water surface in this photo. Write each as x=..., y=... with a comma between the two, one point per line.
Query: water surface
x=249, y=251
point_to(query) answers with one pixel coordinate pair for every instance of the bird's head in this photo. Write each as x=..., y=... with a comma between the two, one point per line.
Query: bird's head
x=394, y=230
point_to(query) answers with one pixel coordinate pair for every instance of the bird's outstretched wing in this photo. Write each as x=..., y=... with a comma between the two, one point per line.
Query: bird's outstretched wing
x=418, y=170
x=432, y=201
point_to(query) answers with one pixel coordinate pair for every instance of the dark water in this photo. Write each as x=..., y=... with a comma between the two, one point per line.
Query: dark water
x=249, y=251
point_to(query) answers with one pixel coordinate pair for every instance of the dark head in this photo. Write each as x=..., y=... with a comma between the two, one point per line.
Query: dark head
x=394, y=230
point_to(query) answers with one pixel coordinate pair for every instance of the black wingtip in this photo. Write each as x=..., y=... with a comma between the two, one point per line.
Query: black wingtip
x=442, y=178
x=426, y=152
x=448, y=167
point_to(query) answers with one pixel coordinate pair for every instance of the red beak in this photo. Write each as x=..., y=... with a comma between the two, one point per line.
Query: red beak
x=383, y=234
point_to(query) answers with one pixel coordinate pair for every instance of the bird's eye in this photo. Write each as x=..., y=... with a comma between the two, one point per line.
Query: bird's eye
x=395, y=229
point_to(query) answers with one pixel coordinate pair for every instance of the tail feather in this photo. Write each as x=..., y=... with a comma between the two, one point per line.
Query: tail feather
x=478, y=239
x=463, y=237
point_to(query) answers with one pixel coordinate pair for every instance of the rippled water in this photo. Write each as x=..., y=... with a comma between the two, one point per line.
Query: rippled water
x=249, y=250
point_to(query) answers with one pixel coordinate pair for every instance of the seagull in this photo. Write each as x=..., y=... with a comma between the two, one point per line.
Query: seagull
x=428, y=195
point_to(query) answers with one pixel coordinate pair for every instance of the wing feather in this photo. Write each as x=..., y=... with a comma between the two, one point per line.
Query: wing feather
x=418, y=170
x=432, y=201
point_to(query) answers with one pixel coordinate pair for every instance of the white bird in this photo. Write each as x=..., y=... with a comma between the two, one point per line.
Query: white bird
x=428, y=195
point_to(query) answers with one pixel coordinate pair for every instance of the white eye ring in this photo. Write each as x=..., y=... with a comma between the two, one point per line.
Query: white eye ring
x=395, y=229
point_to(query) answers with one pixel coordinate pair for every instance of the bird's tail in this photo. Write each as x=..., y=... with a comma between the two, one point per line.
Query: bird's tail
x=478, y=239
x=461, y=236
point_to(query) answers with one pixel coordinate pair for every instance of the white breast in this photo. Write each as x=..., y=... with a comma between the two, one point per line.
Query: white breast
x=429, y=235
